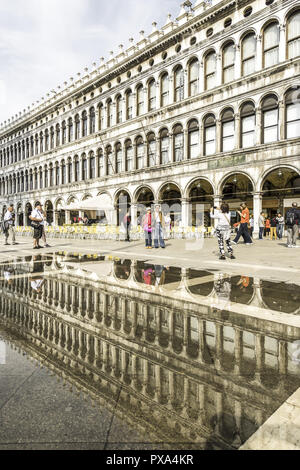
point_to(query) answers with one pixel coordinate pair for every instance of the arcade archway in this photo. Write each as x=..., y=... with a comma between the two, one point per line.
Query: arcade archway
x=28, y=210
x=280, y=188
x=201, y=197
x=49, y=212
x=123, y=204
x=237, y=188
x=170, y=200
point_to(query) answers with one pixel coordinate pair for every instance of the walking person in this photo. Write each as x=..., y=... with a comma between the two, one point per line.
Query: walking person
x=36, y=218
x=292, y=221
x=223, y=229
x=159, y=226
x=261, y=224
x=126, y=223
x=43, y=224
x=273, y=228
x=280, y=225
x=147, y=225
x=243, y=229
x=9, y=222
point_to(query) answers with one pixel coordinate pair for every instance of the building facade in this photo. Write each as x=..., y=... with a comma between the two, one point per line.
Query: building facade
x=205, y=109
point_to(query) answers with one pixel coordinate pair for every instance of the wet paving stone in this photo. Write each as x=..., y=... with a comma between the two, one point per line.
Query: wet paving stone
x=138, y=355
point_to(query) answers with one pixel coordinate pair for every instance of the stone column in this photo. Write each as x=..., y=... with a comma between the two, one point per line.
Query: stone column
x=186, y=84
x=158, y=151
x=134, y=163
x=186, y=145
x=281, y=122
x=185, y=204
x=257, y=209
x=171, y=148
x=282, y=43
x=218, y=135
x=238, y=350
x=260, y=356
x=237, y=65
x=259, y=54
x=218, y=70
x=219, y=345
x=201, y=78
x=283, y=358
x=237, y=131
x=258, y=129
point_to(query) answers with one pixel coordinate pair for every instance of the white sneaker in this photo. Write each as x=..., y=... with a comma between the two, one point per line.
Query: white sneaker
x=289, y=246
x=235, y=243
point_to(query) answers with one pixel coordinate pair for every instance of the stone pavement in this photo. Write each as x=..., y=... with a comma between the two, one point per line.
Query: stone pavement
x=266, y=259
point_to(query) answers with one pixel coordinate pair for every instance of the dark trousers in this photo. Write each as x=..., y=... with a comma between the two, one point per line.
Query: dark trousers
x=148, y=238
x=261, y=232
x=243, y=232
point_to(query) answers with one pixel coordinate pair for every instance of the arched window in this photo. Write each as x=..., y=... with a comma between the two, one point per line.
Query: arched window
x=292, y=106
x=178, y=84
x=140, y=100
x=70, y=171
x=100, y=117
x=193, y=77
x=101, y=169
x=140, y=153
x=228, y=62
x=57, y=174
x=119, y=109
x=77, y=169
x=210, y=135
x=119, y=158
x=77, y=127
x=178, y=142
x=92, y=166
x=63, y=172
x=129, y=155
x=193, y=136
x=210, y=67
x=228, y=127
x=164, y=90
x=293, y=35
x=109, y=110
x=271, y=44
x=84, y=168
x=92, y=121
x=110, y=162
x=46, y=141
x=71, y=130
x=84, y=124
x=270, y=119
x=57, y=135
x=41, y=142
x=164, y=147
x=129, y=104
x=151, y=150
x=52, y=137
x=46, y=176
x=64, y=132
x=151, y=95
x=248, y=54
x=248, y=125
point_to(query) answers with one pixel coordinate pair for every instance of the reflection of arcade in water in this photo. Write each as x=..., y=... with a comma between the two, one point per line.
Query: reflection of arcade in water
x=191, y=374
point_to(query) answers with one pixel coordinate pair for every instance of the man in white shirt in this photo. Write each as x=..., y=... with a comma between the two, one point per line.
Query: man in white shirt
x=9, y=224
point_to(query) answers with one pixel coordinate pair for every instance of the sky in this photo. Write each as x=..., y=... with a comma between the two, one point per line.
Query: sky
x=45, y=42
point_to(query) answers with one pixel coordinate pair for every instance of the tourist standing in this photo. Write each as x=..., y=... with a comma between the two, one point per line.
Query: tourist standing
x=9, y=222
x=243, y=229
x=267, y=227
x=36, y=218
x=223, y=229
x=126, y=223
x=280, y=225
x=147, y=225
x=159, y=225
x=261, y=224
x=292, y=221
x=273, y=228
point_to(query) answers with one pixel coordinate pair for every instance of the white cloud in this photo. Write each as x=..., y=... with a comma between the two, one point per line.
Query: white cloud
x=46, y=42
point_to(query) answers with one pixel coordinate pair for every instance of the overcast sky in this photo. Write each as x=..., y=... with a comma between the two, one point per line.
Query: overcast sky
x=45, y=42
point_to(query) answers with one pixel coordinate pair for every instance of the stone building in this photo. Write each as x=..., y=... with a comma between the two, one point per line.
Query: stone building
x=204, y=109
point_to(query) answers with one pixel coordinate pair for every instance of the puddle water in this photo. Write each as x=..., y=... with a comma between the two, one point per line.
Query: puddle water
x=183, y=358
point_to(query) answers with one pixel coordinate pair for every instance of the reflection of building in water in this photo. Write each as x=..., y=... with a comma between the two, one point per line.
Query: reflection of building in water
x=188, y=373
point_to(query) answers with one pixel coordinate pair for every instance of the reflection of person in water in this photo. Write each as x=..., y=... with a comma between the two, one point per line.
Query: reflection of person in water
x=222, y=289
x=160, y=274
x=38, y=280
x=123, y=269
x=244, y=282
x=8, y=272
x=147, y=275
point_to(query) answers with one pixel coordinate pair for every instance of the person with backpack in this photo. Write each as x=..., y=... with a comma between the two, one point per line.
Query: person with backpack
x=8, y=225
x=292, y=221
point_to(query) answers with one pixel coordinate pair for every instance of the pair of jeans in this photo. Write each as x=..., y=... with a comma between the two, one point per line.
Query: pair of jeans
x=280, y=231
x=148, y=238
x=159, y=236
x=261, y=232
x=243, y=232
